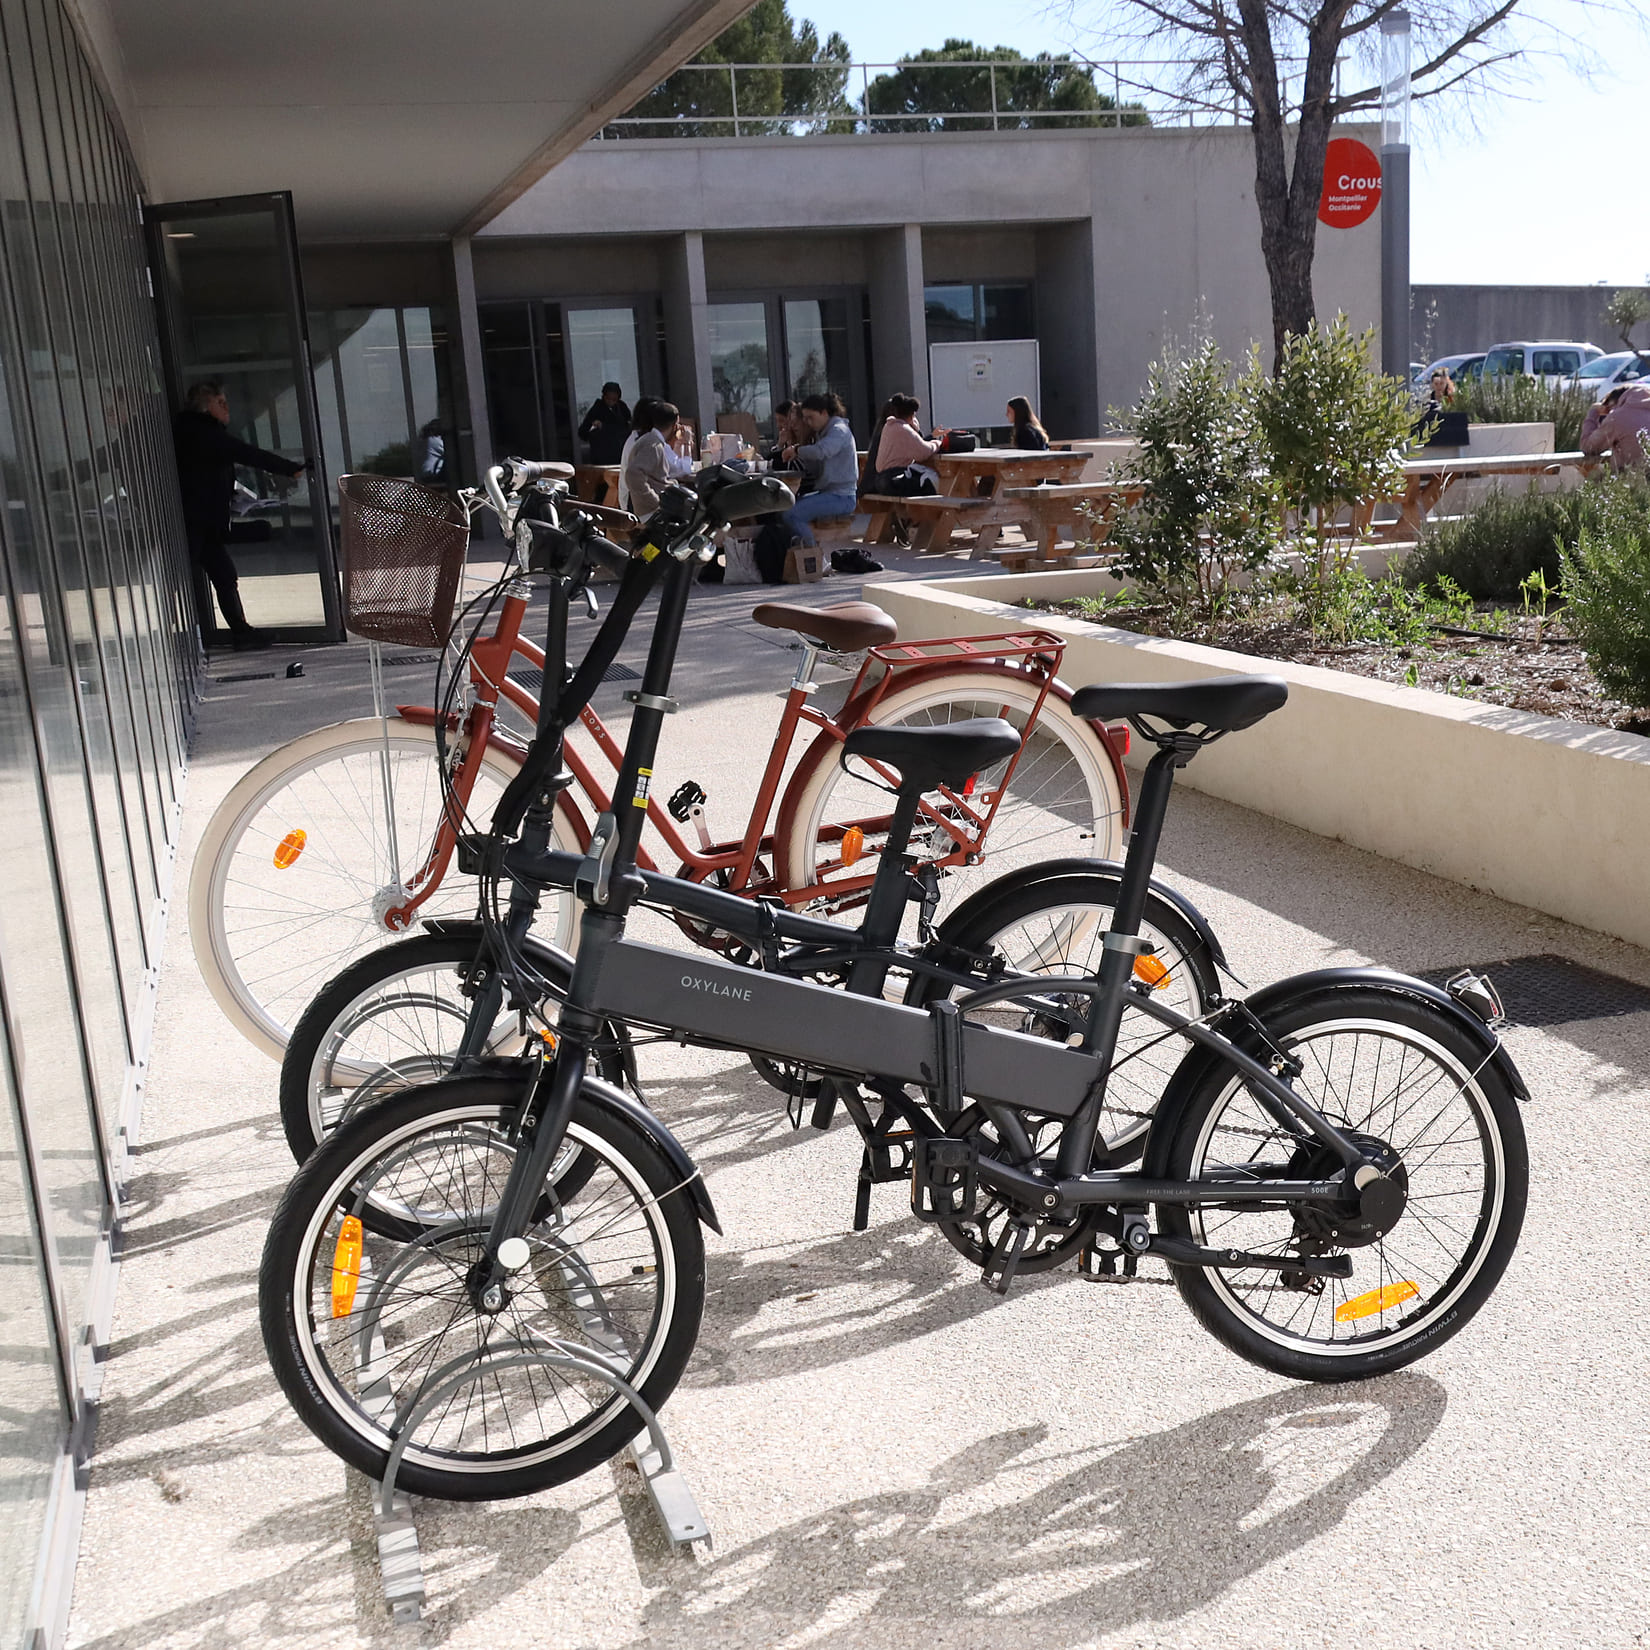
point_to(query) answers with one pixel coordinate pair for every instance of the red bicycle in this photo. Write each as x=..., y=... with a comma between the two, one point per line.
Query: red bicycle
x=337, y=841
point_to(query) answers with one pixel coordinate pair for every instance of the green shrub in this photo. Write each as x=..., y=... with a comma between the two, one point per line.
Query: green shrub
x=1607, y=580
x=1337, y=431
x=1491, y=552
x=1210, y=507
x=1515, y=398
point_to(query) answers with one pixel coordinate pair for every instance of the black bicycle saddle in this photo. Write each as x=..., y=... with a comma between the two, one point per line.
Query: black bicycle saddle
x=1223, y=704
x=942, y=755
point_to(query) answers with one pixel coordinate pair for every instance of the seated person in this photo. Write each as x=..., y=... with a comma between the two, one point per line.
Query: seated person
x=1620, y=426
x=903, y=453
x=788, y=430
x=640, y=424
x=1029, y=434
x=651, y=466
x=830, y=461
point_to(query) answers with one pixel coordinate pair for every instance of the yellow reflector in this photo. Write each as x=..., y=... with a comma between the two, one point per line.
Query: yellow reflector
x=1153, y=972
x=346, y=1266
x=853, y=845
x=1377, y=1300
x=288, y=849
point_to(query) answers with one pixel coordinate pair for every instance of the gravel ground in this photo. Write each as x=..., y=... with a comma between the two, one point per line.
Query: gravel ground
x=888, y=1456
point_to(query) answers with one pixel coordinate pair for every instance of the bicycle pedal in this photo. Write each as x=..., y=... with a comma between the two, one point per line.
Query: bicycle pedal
x=1004, y=1260
x=944, y=1178
x=1100, y=1265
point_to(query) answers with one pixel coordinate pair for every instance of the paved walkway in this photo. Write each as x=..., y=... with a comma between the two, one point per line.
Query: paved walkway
x=889, y=1457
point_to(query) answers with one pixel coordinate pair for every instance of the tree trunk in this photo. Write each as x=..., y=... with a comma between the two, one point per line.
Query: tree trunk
x=1288, y=203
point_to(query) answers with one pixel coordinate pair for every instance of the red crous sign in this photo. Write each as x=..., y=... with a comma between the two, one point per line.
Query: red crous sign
x=1351, y=183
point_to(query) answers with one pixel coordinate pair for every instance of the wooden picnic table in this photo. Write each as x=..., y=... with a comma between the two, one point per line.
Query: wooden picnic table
x=1427, y=480
x=974, y=493
x=1058, y=513
x=596, y=483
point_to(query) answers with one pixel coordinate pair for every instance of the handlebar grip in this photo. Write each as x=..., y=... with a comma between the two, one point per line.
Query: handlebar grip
x=525, y=471
x=605, y=553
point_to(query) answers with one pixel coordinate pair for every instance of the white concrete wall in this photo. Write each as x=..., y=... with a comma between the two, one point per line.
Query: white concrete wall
x=1544, y=812
x=1173, y=229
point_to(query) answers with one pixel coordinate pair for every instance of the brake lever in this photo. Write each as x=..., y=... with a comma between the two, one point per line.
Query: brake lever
x=592, y=608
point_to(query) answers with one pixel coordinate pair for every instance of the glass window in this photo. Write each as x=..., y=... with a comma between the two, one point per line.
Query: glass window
x=513, y=395
x=1603, y=366
x=1005, y=312
x=952, y=318
x=601, y=349
x=739, y=367
x=1500, y=362
x=816, y=347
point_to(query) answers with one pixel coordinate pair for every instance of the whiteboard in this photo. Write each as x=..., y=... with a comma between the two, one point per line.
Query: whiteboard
x=969, y=385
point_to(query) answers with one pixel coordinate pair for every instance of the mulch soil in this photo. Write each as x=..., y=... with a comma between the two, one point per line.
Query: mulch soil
x=1518, y=660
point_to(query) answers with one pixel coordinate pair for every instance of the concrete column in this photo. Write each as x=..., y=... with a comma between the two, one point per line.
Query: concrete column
x=480, y=432
x=899, y=331
x=687, y=330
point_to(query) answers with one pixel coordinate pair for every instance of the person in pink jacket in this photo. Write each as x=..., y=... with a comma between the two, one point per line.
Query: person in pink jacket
x=1619, y=425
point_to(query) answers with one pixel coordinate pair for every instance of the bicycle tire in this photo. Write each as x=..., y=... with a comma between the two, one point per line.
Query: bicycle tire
x=332, y=775
x=1378, y=1335
x=330, y=1054
x=1050, y=936
x=349, y=1408
x=1082, y=818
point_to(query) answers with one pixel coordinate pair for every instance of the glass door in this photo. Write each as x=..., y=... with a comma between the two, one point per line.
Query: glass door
x=739, y=366
x=232, y=310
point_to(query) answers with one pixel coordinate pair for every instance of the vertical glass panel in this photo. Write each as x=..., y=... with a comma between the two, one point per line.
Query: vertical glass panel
x=229, y=295
x=1005, y=312
x=31, y=1400
x=739, y=360
x=513, y=404
x=336, y=458
x=950, y=311
x=367, y=345
x=816, y=347
x=429, y=388
x=601, y=349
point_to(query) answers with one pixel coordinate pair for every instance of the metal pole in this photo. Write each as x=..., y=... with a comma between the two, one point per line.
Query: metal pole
x=1395, y=94
x=733, y=97
x=993, y=73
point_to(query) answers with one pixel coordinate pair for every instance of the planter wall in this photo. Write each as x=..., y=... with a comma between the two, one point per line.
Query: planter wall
x=1547, y=813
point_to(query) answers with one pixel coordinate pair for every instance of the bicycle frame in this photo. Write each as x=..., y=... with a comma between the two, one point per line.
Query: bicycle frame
x=1033, y=654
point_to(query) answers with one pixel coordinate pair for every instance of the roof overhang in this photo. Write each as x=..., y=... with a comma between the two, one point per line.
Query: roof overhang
x=387, y=119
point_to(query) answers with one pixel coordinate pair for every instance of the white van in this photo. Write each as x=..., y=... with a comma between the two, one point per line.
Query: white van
x=1548, y=358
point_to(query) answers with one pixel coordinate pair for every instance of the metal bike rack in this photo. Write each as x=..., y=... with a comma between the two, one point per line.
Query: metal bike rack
x=400, y=1561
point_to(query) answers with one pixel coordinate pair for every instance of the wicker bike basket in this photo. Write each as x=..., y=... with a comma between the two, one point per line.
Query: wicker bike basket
x=404, y=547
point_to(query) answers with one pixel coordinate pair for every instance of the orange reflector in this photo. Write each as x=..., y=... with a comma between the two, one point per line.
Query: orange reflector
x=1377, y=1300
x=346, y=1266
x=853, y=845
x=968, y=787
x=288, y=849
x=1153, y=972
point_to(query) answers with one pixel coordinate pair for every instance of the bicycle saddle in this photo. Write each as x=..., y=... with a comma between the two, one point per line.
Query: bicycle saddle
x=1223, y=704
x=943, y=755
x=845, y=625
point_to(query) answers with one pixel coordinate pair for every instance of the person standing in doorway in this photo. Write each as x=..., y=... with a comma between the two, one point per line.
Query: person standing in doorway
x=606, y=425
x=207, y=456
x=1029, y=434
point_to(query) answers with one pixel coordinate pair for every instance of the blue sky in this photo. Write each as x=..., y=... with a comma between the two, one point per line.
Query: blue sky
x=1548, y=186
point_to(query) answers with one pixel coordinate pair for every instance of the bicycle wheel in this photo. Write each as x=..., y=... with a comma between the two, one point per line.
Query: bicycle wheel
x=1062, y=799
x=391, y=1020
x=1057, y=927
x=1417, y=1092
x=359, y=1327
x=294, y=870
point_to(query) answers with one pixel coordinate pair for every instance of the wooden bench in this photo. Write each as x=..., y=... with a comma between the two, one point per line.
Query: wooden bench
x=886, y=513
x=934, y=517
x=1066, y=512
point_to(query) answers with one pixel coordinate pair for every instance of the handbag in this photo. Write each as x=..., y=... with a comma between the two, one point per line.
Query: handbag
x=960, y=441
x=906, y=482
x=741, y=557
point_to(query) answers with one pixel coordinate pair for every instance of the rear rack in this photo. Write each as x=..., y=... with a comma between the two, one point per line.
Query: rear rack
x=1012, y=644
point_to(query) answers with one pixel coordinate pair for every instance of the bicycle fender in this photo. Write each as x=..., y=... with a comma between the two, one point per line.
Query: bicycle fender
x=1326, y=983
x=539, y=950
x=673, y=1151
x=1012, y=882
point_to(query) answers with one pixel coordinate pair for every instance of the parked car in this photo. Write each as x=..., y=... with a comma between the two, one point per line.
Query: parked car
x=1604, y=373
x=1461, y=368
x=1549, y=358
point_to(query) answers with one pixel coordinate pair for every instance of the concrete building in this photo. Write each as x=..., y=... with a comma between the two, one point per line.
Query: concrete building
x=385, y=228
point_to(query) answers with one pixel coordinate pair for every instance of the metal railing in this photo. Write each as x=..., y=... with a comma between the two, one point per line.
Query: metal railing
x=1136, y=94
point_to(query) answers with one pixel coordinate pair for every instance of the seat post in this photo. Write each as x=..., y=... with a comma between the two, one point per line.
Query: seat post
x=890, y=892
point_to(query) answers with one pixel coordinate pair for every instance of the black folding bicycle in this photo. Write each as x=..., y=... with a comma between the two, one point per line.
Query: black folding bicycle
x=483, y=1272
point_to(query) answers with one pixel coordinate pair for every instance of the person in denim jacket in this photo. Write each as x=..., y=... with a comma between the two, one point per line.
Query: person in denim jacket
x=830, y=461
